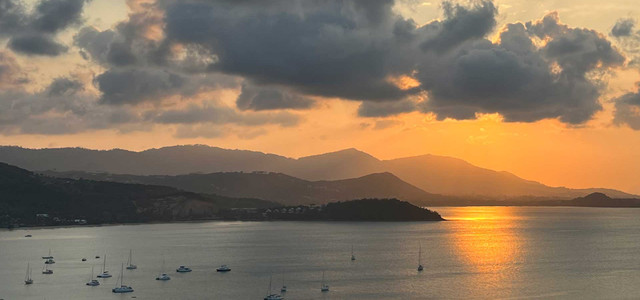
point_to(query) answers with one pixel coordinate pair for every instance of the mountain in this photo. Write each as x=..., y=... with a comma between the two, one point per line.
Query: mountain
x=24, y=194
x=276, y=187
x=431, y=173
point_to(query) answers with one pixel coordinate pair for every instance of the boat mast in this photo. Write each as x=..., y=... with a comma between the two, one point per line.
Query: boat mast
x=104, y=263
x=420, y=255
x=26, y=275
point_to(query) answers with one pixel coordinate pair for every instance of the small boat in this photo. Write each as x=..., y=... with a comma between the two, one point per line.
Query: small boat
x=420, y=267
x=323, y=286
x=27, y=277
x=105, y=273
x=97, y=256
x=48, y=256
x=353, y=257
x=84, y=259
x=50, y=261
x=28, y=235
x=130, y=265
x=272, y=296
x=283, y=289
x=223, y=268
x=92, y=282
x=183, y=269
x=46, y=270
x=122, y=288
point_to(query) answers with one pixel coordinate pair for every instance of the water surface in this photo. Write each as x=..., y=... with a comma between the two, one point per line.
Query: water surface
x=481, y=252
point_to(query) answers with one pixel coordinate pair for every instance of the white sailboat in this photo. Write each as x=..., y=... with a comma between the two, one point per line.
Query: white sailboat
x=420, y=267
x=48, y=256
x=130, y=265
x=163, y=276
x=27, y=277
x=105, y=273
x=46, y=270
x=283, y=289
x=92, y=282
x=271, y=296
x=122, y=288
x=353, y=257
x=324, y=287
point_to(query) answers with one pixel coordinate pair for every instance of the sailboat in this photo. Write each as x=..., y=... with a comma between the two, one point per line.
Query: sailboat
x=92, y=282
x=271, y=296
x=130, y=265
x=45, y=269
x=27, y=277
x=163, y=276
x=122, y=288
x=420, y=267
x=105, y=273
x=353, y=257
x=48, y=256
x=324, y=287
x=283, y=289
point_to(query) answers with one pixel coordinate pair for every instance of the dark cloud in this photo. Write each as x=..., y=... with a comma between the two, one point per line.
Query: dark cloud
x=217, y=114
x=33, y=33
x=11, y=74
x=627, y=110
x=384, y=109
x=517, y=79
x=269, y=98
x=623, y=27
x=36, y=44
x=333, y=48
x=64, y=86
x=461, y=24
x=131, y=86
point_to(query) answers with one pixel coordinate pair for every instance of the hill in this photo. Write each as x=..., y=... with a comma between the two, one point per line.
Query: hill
x=24, y=194
x=431, y=173
x=276, y=187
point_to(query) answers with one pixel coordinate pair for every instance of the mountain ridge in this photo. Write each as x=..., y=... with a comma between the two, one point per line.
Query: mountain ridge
x=434, y=174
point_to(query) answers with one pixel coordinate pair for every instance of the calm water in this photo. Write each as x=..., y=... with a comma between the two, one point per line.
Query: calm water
x=483, y=252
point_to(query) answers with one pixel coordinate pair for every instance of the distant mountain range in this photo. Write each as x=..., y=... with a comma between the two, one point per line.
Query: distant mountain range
x=277, y=187
x=434, y=175
x=24, y=195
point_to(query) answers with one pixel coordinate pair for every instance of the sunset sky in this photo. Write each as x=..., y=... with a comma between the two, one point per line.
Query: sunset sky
x=545, y=89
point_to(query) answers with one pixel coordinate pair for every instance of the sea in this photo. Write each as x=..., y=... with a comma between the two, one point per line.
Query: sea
x=478, y=253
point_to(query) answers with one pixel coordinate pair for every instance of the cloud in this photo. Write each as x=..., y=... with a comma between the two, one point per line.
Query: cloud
x=270, y=98
x=384, y=109
x=623, y=27
x=213, y=113
x=130, y=86
x=33, y=32
x=517, y=79
x=627, y=110
x=11, y=74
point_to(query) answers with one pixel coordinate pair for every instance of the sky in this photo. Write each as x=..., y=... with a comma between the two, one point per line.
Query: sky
x=547, y=90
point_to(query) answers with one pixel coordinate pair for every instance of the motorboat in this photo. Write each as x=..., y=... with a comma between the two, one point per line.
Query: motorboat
x=223, y=268
x=163, y=277
x=183, y=269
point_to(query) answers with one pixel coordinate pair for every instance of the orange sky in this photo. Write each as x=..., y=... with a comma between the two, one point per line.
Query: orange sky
x=597, y=154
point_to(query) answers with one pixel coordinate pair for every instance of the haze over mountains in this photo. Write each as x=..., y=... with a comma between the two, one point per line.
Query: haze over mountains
x=433, y=174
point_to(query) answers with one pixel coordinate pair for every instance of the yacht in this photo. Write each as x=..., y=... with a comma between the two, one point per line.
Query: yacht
x=122, y=288
x=46, y=270
x=271, y=296
x=183, y=269
x=48, y=256
x=50, y=261
x=420, y=267
x=27, y=277
x=130, y=265
x=223, y=268
x=324, y=287
x=105, y=273
x=92, y=282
